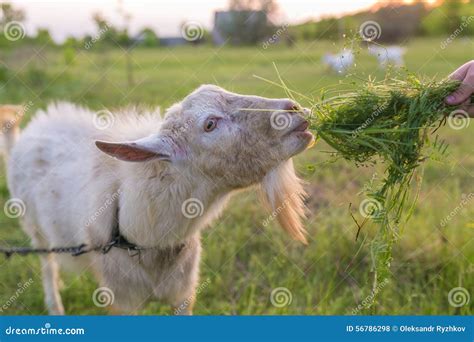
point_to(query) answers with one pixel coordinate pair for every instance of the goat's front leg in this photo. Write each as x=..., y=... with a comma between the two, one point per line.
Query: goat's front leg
x=50, y=277
x=184, y=307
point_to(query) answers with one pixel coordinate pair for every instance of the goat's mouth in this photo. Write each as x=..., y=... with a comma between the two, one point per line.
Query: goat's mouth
x=302, y=127
x=304, y=138
x=301, y=131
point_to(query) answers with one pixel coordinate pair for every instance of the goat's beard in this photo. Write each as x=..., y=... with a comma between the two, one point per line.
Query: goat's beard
x=283, y=193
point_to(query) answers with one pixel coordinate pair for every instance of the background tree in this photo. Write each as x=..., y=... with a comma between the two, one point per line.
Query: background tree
x=125, y=41
x=43, y=37
x=69, y=50
x=399, y=22
x=449, y=18
x=117, y=36
x=148, y=37
x=8, y=14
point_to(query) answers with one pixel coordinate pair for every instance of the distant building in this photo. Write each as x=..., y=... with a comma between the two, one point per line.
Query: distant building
x=173, y=41
x=142, y=39
x=238, y=26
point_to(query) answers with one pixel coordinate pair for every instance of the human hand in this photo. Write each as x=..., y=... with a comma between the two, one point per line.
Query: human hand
x=462, y=96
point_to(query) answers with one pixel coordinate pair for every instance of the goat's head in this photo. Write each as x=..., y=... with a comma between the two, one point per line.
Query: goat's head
x=235, y=140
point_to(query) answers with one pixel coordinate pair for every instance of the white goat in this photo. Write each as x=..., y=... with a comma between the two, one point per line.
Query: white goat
x=209, y=145
x=341, y=62
x=391, y=55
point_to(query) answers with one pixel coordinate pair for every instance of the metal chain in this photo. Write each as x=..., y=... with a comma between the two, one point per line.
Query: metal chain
x=73, y=250
x=118, y=242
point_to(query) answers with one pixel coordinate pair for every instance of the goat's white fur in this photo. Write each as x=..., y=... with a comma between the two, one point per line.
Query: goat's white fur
x=68, y=186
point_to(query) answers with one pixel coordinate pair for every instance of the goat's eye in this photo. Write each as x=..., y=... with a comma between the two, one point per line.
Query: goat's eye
x=210, y=124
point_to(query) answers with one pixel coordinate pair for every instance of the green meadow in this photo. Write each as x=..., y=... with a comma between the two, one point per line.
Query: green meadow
x=243, y=259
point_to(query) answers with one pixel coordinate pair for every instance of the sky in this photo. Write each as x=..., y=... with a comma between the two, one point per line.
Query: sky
x=73, y=17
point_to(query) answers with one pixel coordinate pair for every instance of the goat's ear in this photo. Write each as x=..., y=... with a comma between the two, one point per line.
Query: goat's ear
x=149, y=148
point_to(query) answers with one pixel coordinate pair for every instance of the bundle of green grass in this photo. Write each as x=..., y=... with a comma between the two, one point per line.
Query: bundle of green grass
x=390, y=122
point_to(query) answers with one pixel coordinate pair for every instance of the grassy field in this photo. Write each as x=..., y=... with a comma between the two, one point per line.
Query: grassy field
x=242, y=261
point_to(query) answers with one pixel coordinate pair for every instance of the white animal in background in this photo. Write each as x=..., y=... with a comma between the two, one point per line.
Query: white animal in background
x=391, y=55
x=167, y=180
x=10, y=118
x=341, y=62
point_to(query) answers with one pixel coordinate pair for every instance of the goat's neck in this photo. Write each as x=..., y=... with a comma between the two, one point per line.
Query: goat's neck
x=161, y=206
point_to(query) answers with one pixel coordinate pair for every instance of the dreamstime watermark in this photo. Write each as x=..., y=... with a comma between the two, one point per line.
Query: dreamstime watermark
x=375, y=114
x=192, y=31
x=458, y=119
x=367, y=302
x=370, y=30
x=280, y=208
x=110, y=200
x=370, y=208
x=465, y=199
x=98, y=36
x=464, y=24
x=103, y=119
x=103, y=296
x=19, y=291
x=46, y=330
x=192, y=208
x=275, y=37
x=280, y=120
x=14, y=208
x=281, y=297
x=190, y=300
x=458, y=296
x=14, y=30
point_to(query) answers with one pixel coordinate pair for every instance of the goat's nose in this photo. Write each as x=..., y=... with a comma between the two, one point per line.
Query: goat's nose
x=294, y=108
x=291, y=106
